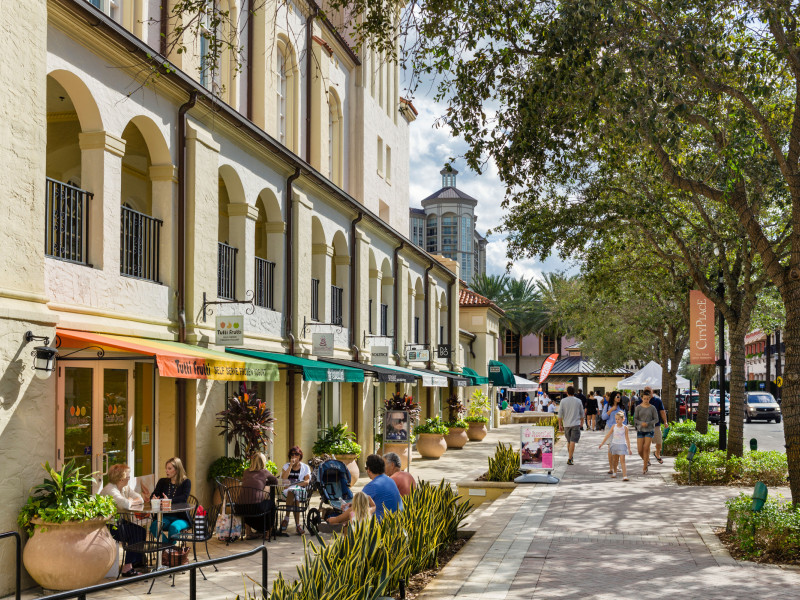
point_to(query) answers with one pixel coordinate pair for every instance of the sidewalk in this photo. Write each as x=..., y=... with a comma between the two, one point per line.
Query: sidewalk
x=591, y=536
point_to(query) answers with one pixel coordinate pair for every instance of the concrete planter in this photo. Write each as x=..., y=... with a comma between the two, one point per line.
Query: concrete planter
x=457, y=438
x=349, y=461
x=431, y=445
x=402, y=450
x=478, y=492
x=476, y=432
x=65, y=556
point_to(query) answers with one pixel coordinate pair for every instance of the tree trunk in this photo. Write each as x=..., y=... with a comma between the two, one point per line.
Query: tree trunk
x=703, y=388
x=790, y=404
x=736, y=331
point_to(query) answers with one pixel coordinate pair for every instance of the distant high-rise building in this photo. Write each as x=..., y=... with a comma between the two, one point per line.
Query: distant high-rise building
x=446, y=225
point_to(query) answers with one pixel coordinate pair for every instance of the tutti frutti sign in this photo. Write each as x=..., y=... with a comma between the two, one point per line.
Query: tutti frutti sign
x=230, y=330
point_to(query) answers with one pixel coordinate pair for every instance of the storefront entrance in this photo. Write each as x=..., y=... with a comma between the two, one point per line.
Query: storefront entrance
x=105, y=416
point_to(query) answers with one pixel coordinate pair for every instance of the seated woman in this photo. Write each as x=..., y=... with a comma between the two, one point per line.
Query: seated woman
x=176, y=487
x=298, y=475
x=125, y=498
x=360, y=509
x=255, y=500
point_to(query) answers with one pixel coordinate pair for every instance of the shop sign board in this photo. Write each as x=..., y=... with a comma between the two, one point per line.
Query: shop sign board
x=418, y=355
x=322, y=344
x=536, y=447
x=230, y=330
x=380, y=355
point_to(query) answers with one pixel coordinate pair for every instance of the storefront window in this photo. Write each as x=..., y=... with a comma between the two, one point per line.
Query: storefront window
x=328, y=405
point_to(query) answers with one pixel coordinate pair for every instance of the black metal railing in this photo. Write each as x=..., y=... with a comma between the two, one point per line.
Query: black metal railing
x=17, y=576
x=66, y=231
x=337, y=305
x=192, y=567
x=140, y=239
x=226, y=271
x=314, y=299
x=265, y=283
x=371, y=329
x=384, y=319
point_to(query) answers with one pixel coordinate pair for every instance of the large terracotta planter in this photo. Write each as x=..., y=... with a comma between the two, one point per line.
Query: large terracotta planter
x=457, y=438
x=349, y=461
x=65, y=556
x=431, y=445
x=476, y=432
x=401, y=450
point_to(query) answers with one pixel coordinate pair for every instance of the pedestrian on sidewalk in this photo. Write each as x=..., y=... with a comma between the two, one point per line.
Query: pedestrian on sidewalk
x=591, y=412
x=570, y=417
x=645, y=419
x=658, y=439
x=613, y=407
x=583, y=400
x=620, y=445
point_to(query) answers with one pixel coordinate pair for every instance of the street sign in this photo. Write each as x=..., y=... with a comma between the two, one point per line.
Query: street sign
x=443, y=350
x=230, y=330
x=779, y=381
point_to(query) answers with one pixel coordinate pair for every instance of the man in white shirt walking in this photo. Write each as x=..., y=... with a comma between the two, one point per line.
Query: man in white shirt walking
x=570, y=417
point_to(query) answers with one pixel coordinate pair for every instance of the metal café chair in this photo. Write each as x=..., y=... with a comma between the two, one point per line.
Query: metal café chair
x=299, y=506
x=202, y=530
x=253, y=503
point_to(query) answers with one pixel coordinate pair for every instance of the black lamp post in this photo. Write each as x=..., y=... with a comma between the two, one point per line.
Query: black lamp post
x=723, y=424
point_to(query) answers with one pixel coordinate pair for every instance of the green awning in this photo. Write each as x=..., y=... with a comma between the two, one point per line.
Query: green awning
x=500, y=375
x=476, y=379
x=313, y=370
x=429, y=378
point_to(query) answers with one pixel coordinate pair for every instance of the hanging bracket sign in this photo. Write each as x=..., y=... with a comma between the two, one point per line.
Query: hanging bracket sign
x=380, y=355
x=230, y=330
x=322, y=344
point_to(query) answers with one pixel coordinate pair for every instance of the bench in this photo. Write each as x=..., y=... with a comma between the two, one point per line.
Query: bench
x=530, y=416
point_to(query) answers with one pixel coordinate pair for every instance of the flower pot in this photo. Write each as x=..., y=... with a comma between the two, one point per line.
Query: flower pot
x=431, y=445
x=401, y=450
x=65, y=556
x=476, y=431
x=349, y=461
x=457, y=438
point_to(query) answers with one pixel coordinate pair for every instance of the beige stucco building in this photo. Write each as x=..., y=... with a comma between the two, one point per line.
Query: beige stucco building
x=140, y=189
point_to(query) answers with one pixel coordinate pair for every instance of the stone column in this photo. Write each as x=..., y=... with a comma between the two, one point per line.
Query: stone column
x=163, y=179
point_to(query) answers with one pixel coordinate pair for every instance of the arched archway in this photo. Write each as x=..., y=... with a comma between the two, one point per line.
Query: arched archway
x=287, y=76
x=320, y=269
x=231, y=238
x=340, y=280
x=269, y=251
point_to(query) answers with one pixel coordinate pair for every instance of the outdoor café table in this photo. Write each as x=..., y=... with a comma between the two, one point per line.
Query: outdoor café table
x=155, y=545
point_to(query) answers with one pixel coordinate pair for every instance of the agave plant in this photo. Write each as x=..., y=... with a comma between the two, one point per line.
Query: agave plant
x=247, y=422
x=504, y=466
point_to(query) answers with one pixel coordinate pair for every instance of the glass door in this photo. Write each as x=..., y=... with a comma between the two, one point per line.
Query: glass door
x=77, y=408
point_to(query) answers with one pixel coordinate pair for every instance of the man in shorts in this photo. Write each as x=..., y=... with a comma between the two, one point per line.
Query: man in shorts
x=570, y=417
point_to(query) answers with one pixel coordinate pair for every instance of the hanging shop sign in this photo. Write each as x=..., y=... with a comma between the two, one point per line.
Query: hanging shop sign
x=418, y=355
x=380, y=355
x=322, y=344
x=536, y=447
x=443, y=350
x=701, y=329
x=230, y=330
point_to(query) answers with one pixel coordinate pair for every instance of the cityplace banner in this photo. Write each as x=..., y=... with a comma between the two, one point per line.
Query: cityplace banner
x=536, y=450
x=701, y=329
x=547, y=367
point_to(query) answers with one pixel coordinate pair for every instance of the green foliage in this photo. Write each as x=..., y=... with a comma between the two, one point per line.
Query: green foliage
x=683, y=434
x=247, y=422
x=476, y=419
x=551, y=422
x=337, y=440
x=433, y=425
x=228, y=466
x=504, y=466
x=457, y=423
x=479, y=403
x=65, y=496
x=368, y=560
x=713, y=468
x=773, y=531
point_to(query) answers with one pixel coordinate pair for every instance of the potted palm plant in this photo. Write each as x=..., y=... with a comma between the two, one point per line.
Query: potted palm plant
x=456, y=426
x=69, y=546
x=406, y=403
x=430, y=438
x=476, y=417
x=341, y=443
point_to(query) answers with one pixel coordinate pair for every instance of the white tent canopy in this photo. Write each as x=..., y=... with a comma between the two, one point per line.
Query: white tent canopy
x=523, y=385
x=650, y=375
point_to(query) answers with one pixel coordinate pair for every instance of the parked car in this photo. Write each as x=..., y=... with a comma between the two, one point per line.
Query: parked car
x=713, y=410
x=761, y=406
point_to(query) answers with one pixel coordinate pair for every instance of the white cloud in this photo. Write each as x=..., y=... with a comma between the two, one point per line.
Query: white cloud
x=497, y=261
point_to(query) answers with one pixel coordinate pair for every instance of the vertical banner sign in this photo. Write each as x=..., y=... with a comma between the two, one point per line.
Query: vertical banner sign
x=547, y=367
x=701, y=329
x=322, y=344
x=536, y=449
x=230, y=331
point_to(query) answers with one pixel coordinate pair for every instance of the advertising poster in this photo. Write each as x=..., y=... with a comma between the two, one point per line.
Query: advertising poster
x=398, y=426
x=536, y=447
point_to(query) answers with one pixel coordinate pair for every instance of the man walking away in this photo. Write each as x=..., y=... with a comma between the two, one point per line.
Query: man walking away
x=658, y=438
x=570, y=416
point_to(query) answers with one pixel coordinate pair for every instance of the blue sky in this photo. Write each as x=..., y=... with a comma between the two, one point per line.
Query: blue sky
x=429, y=149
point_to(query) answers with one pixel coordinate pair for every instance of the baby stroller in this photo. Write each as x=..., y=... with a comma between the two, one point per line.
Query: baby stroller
x=332, y=479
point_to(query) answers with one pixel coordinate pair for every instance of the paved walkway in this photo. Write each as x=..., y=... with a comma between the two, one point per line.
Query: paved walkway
x=591, y=536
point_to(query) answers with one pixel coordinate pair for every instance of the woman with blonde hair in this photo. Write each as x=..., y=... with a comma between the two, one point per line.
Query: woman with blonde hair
x=360, y=509
x=119, y=476
x=254, y=500
x=176, y=487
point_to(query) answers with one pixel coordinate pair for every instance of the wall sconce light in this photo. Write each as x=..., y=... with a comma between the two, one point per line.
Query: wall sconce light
x=44, y=357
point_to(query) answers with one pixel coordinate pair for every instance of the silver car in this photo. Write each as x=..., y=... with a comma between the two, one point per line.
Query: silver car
x=761, y=406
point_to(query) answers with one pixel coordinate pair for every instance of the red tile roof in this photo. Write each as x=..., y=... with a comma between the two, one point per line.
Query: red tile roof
x=470, y=298
x=755, y=336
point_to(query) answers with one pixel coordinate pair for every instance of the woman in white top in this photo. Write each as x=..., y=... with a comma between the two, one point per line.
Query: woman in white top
x=297, y=475
x=620, y=445
x=125, y=498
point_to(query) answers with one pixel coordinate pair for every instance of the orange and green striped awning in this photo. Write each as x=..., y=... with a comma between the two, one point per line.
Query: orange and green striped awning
x=182, y=361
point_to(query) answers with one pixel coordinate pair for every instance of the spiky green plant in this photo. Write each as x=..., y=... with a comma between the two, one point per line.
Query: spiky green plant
x=504, y=466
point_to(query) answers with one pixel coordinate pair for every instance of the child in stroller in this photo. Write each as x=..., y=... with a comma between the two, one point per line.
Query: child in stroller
x=332, y=479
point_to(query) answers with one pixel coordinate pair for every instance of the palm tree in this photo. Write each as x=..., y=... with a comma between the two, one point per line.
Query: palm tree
x=523, y=306
x=492, y=287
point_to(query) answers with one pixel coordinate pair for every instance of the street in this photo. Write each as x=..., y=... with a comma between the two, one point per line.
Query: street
x=768, y=435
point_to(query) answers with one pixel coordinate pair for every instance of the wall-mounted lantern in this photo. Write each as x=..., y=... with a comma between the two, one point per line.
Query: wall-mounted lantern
x=44, y=357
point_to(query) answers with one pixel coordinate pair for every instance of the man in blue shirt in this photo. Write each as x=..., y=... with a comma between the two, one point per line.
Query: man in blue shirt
x=382, y=489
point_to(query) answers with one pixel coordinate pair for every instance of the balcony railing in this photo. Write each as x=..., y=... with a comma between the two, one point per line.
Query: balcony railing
x=315, y=299
x=337, y=305
x=265, y=283
x=226, y=271
x=140, y=239
x=66, y=231
x=384, y=319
